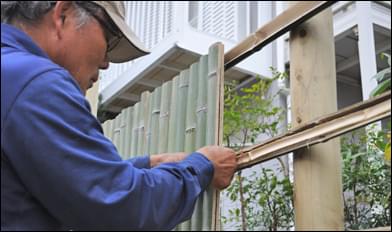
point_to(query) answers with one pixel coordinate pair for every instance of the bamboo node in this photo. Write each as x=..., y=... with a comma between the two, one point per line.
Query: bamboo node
x=203, y=108
x=184, y=85
x=164, y=115
x=156, y=111
x=212, y=74
x=249, y=156
x=190, y=129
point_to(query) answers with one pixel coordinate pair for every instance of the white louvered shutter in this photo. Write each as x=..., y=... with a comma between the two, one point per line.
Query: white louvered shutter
x=220, y=19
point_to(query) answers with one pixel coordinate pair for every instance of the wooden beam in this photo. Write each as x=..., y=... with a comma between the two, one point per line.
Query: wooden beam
x=317, y=131
x=318, y=200
x=281, y=24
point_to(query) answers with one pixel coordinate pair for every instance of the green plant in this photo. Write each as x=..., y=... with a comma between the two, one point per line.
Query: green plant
x=266, y=198
x=366, y=179
x=366, y=169
x=250, y=111
x=383, y=78
x=268, y=201
x=384, y=84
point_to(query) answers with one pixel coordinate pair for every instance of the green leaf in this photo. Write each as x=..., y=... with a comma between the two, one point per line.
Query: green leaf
x=237, y=212
x=381, y=88
x=263, y=199
x=383, y=74
x=273, y=183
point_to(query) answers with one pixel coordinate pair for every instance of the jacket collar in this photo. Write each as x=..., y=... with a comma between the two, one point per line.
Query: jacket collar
x=14, y=37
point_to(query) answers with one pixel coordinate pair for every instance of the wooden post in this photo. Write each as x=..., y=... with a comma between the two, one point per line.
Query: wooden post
x=318, y=199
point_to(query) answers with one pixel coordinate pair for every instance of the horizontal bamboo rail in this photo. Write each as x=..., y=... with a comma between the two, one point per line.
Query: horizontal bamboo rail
x=318, y=131
x=281, y=24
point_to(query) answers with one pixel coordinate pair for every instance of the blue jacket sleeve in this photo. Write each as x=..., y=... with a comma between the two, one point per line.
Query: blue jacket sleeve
x=140, y=162
x=59, y=152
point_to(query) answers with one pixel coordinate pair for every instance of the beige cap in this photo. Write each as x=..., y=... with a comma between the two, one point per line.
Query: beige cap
x=129, y=47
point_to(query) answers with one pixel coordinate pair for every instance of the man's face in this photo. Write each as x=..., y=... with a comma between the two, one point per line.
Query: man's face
x=82, y=50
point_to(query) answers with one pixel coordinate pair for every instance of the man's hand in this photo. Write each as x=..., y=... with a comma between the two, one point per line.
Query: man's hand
x=225, y=164
x=166, y=158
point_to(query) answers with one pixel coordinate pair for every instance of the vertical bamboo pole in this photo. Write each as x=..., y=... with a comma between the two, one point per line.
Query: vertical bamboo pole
x=148, y=114
x=214, y=133
x=200, y=141
x=317, y=170
x=190, y=119
x=92, y=97
x=173, y=116
x=128, y=131
x=181, y=108
x=164, y=117
x=142, y=122
x=141, y=125
x=156, y=95
x=201, y=105
x=190, y=123
x=173, y=119
x=121, y=139
x=105, y=128
x=181, y=116
x=210, y=137
x=135, y=129
x=109, y=130
x=116, y=132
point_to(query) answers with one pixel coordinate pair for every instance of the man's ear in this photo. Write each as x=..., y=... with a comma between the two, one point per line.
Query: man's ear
x=61, y=15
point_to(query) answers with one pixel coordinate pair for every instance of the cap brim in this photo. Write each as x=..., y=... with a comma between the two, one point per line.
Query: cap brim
x=129, y=47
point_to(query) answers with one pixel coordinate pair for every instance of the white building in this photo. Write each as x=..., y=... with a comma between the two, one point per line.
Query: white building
x=178, y=33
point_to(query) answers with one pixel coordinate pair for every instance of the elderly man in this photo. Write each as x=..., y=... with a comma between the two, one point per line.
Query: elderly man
x=58, y=171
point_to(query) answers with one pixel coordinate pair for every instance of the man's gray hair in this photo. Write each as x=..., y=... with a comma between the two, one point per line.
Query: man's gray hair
x=31, y=12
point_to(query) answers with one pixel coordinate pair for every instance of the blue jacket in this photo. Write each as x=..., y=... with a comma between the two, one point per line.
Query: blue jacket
x=59, y=172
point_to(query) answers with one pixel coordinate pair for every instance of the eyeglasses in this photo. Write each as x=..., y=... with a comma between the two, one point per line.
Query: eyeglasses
x=112, y=34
